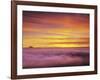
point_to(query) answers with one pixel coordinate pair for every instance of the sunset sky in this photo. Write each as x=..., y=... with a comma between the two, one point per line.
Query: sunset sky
x=48, y=30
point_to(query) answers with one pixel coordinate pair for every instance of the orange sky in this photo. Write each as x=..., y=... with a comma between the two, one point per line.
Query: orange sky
x=46, y=29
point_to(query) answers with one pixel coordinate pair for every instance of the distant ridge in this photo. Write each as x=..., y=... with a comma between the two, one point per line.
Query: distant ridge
x=30, y=47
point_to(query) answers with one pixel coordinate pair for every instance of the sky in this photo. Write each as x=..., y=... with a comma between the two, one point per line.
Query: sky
x=51, y=29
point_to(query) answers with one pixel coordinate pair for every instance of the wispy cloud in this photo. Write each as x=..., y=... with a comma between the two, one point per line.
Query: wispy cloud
x=43, y=29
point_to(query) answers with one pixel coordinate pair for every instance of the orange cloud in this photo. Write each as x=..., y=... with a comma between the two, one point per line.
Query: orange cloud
x=44, y=29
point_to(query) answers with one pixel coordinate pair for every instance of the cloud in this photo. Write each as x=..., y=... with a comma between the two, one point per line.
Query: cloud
x=38, y=58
